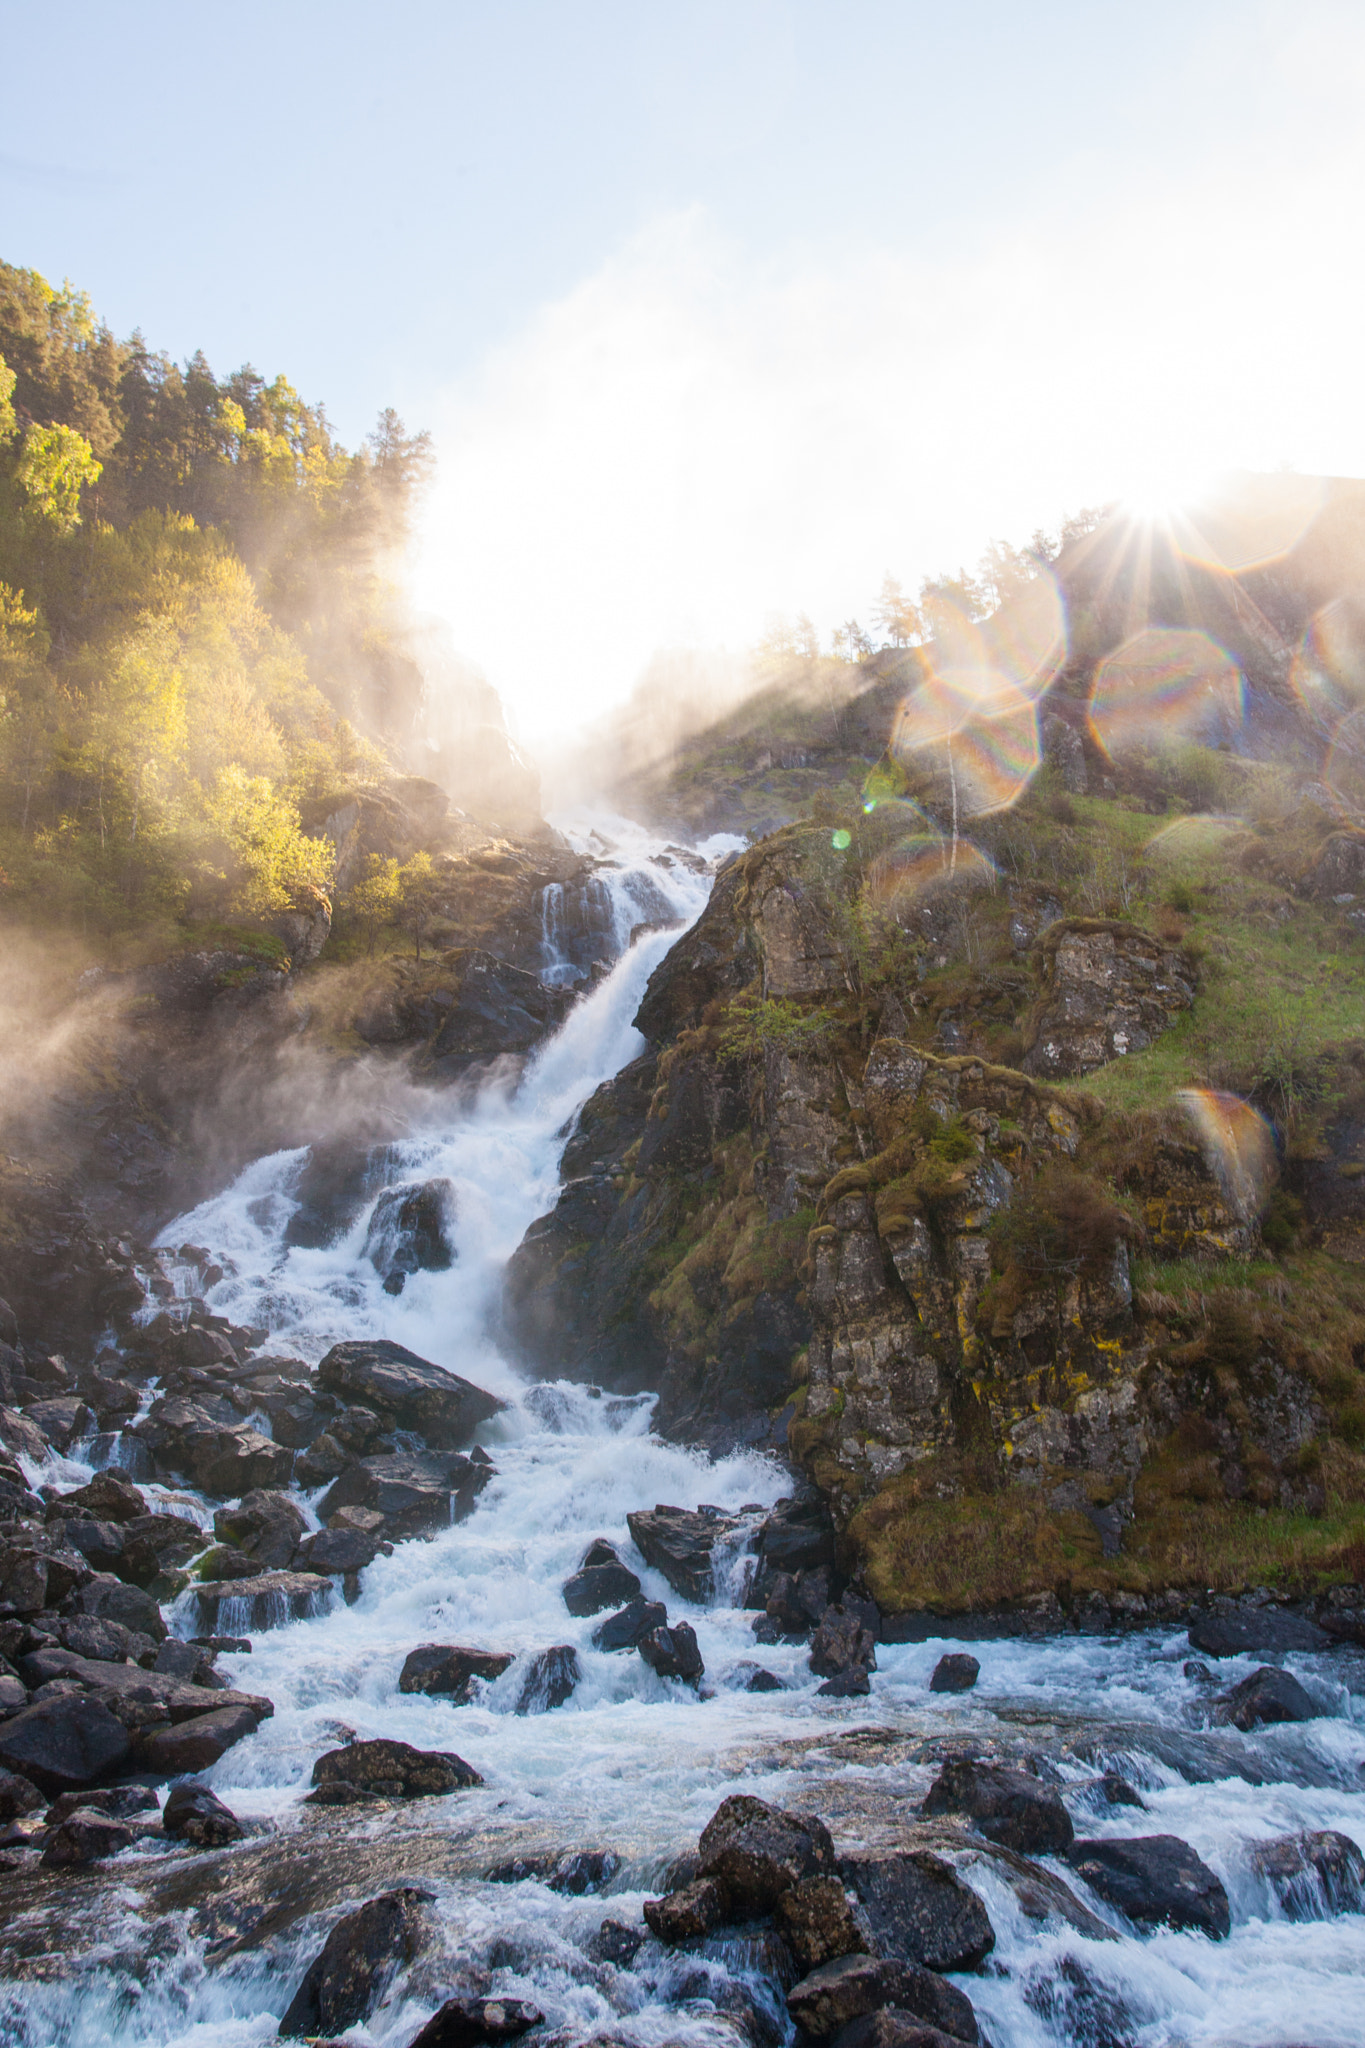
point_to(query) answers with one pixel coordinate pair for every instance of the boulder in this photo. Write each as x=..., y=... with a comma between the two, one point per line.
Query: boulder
x=265, y=1527
x=63, y=1420
x=853, y=1684
x=1258, y=1630
x=193, y=1814
x=410, y=1231
x=99, y=1543
x=797, y=1536
x=1314, y=1873
x=626, y=1630
x=842, y=1643
x=413, y=1491
x=108, y=1497
x=614, y=1943
x=1007, y=1806
x=818, y=1922
x=197, y=1744
x=1108, y=990
x=109, y=1599
x=85, y=1837
x=1156, y=1880
x=1268, y=1695
x=599, y=1585
x=447, y=1668
x=757, y=1852
x=18, y=1796
x=437, y=1405
x=688, y=1914
x=678, y=1542
x=763, y=1681
x=116, y=1802
x=64, y=1743
x=153, y=1544
x=175, y=1659
x=466, y=2022
x=23, y=1580
x=338, y=1552
x=550, y=1677
x=844, y=1990
x=108, y=1642
x=395, y=1770
x=231, y=1606
x=918, y=1909
x=223, y=1561
x=892, y=2028
x=957, y=1672
x=573, y=1872
x=13, y=1697
x=671, y=1651
x=795, y=1605
x=350, y=1975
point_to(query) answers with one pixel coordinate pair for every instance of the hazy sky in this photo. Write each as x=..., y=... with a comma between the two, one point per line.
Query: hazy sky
x=721, y=310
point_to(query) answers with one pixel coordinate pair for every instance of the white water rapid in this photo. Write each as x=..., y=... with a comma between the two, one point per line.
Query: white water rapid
x=635, y=1765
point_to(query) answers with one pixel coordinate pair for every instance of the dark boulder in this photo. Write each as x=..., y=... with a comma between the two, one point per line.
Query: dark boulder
x=229, y=1606
x=624, y=1631
x=109, y=1599
x=1156, y=1880
x=410, y=1231
x=550, y=1678
x=1256, y=1629
x=197, y=1744
x=1268, y=1696
x=1116, y=1791
x=573, y=1872
x=63, y=1420
x=599, y=1585
x=468, y=2022
x=678, y=1542
x=447, y=1668
x=266, y=1527
x=689, y=1913
x=614, y=1943
x=1313, y=1874
x=842, y=1643
x=85, y=1837
x=360, y=1956
x=107, y=1497
x=436, y=1405
x=338, y=1552
x=193, y=1814
x=672, y=1652
x=395, y=1770
x=918, y=1909
x=845, y=1990
x=797, y=1536
x=116, y=1802
x=99, y=1543
x=957, y=1672
x=1007, y=1806
x=892, y=2028
x=413, y=1491
x=757, y=1852
x=763, y=1681
x=818, y=1922
x=154, y=1544
x=795, y=1605
x=18, y=1796
x=64, y=1743
x=853, y=1684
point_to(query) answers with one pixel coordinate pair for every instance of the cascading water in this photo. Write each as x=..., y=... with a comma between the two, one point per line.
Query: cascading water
x=632, y=1764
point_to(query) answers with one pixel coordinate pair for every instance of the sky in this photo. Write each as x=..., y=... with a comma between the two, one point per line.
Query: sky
x=723, y=311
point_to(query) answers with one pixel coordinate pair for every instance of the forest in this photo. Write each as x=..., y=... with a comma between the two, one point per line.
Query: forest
x=200, y=627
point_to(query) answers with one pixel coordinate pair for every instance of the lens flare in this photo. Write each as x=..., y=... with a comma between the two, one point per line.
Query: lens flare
x=995, y=760
x=1329, y=669
x=1344, y=768
x=1163, y=685
x=1237, y=1144
x=841, y=840
x=980, y=729
x=1201, y=834
x=1246, y=520
x=923, y=866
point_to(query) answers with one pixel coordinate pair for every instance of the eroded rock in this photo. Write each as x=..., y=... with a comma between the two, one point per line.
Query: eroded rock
x=347, y=1979
x=1007, y=1806
x=918, y=1909
x=1156, y=1880
x=394, y=1770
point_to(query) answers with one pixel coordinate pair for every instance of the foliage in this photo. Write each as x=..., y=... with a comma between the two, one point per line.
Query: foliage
x=55, y=465
x=1062, y=1221
x=755, y=1026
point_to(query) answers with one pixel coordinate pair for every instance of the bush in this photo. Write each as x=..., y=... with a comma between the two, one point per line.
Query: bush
x=1062, y=1222
x=755, y=1026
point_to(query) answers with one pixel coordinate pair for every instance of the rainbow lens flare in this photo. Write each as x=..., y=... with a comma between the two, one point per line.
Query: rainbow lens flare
x=921, y=866
x=1344, y=769
x=1237, y=1144
x=1201, y=834
x=1329, y=669
x=1166, y=684
x=1246, y=519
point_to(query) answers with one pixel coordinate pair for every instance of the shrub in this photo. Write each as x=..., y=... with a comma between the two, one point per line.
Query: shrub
x=1062, y=1222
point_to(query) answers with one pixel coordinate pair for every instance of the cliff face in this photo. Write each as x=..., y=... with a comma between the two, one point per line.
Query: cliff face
x=1023, y=1335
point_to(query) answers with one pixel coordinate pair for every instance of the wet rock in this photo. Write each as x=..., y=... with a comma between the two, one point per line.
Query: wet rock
x=109, y=1599
x=64, y=1743
x=1007, y=1806
x=18, y=1796
x=624, y=1631
x=1108, y=990
x=348, y=1978
x=193, y=1814
x=99, y=1543
x=337, y=1552
x=846, y=1685
x=1263, y=1629
x=197, y=1744
x=63, y=1421
x=678, y=1542
x=550, y=1678
x=411, y=1231
x=86, y=1837
x=841, y=1991
x=438, y=1406
x=574, y=1873
x=1312, y=1874
x=1156, y=1880
x=267, y=1601
x=672, y=1652
x=413, y=1492
x=266, y=1527
x=794, y=1605
x=763, y=1681
x=757, y=1852
x=219, y=1455
x=13, y=1698
x=818, y=1922
x=86, y=1635
x=842, y=1643
x=599, y=1585
x=1116, y=1791
x=918, y=1909
x=1268, y=1695
x=957, y=1672
x=892, y=2028
x=614, y=1943
x=116, y=1802
x=447, y=1668
x=467, y=2022
x=395, y=1770
x=687, y=1914
x=23, y=1580
x=107, y=1498
x=223, y=1561
x=153, y=1544
x=798, y=1536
